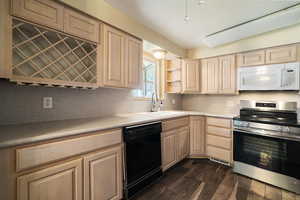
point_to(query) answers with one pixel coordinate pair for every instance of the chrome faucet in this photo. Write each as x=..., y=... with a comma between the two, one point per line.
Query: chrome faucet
x=153, y=102
x=155, y=106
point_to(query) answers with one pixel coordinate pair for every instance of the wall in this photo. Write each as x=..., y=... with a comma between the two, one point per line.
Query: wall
x=275, y=38
x=103, y=11
x=23, y=104
x=221, y=104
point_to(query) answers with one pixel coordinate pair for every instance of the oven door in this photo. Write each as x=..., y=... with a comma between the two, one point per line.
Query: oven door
x=274, y=154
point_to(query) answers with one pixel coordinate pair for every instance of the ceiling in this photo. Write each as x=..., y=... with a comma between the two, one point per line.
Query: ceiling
x=166, y=16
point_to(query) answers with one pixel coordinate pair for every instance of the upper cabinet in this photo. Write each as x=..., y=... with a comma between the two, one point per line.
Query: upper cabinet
x=227, y=74
x=210, y=76
x=274, y=55
x=134, y=62
x=219, y=75
x=114, y=57
x=191, y=76
x=43, y=12
x=123, y=56
x=281, y=54
x=5, y=39
x=80, y=25
x=251, y=58
x=173, y=76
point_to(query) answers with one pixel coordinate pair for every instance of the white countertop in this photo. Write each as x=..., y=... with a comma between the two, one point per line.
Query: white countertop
x=20, y=134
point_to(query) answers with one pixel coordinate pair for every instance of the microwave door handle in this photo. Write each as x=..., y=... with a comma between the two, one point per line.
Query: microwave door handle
x=282, y=76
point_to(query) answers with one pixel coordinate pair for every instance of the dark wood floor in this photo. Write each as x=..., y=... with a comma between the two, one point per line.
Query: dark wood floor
x=206, y=180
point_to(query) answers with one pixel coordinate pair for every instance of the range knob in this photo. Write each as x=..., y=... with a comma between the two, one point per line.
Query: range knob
x=286, y=129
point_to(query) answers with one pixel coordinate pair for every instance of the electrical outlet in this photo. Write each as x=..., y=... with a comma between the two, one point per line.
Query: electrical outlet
x=173, y=101
x=47, y=102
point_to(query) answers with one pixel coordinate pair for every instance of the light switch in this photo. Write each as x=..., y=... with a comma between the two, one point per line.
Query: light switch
x=47, y=102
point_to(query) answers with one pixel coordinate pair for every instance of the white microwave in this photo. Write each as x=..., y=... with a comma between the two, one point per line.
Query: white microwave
x=269, y=77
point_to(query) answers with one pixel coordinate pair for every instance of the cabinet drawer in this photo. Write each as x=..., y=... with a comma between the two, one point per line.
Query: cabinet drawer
x=32, y=156
x=281, y=54
x=224, y=132
x=226, y=123
x=218, y=153
x=219, y=141
x=168, y=133
x=43, y=12
x=80, y=25
x=175, y=123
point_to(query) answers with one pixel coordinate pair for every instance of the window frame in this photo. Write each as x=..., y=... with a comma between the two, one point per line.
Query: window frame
x=149, y=57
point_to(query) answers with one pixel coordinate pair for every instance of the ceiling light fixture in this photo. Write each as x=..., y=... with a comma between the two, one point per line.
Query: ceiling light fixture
x=186, y=9
x=200, y=2
x=186, y=14
x=159, y=53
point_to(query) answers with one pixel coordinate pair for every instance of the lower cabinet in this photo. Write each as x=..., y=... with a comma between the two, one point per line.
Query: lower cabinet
x=197, y=136
x=103, y=175
x=95, y=176
x=169, y=154
x=59, y=182
x=175, y=146
x=183, y=143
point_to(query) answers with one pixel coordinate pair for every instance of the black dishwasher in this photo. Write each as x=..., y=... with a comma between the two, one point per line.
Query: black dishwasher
x=142, y=156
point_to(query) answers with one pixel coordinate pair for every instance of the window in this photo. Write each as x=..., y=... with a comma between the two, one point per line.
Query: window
x=149, y=79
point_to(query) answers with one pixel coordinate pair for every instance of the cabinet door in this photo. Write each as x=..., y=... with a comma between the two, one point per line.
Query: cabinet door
x=80, y=25
x=197, y=136
x=227, y=71
x=191, y=76
x=281, y=54
x=210, y=76
x=183, y=138
x=251, y=58
x=59, y=182
x=114, y=57
x=103, y=175
x=43, y=12
x=169, y=155
x=5, y=39
x=134, y=56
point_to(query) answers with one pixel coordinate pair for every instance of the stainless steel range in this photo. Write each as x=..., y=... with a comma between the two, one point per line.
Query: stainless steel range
x=267, y=143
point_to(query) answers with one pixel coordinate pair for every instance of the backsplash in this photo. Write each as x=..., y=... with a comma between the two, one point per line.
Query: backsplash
x=222, y=104
x=23, y=104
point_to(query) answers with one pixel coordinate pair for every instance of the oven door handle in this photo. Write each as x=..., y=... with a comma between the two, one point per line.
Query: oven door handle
x=266, y=134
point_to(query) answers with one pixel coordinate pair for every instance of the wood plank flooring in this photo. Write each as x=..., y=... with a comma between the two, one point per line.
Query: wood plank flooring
x=206, y=180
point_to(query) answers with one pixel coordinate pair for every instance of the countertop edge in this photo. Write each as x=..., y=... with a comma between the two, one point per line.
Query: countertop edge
x=30, y=139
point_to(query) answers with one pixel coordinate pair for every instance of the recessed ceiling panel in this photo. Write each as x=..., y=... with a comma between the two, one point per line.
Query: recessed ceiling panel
x=167, y=16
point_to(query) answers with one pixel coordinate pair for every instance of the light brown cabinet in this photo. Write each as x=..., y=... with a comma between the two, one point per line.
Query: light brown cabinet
x=103, y=175
x=114, y=57
x=218, y=75
x=175, y=141
x=43, y=12
x=281, y=54
x=251, y=58
x=197, y=136
x=5, y=39
x=210, y=76
x=169, y=152
x=174, y=76
x=81, y=26
x=219, y=139
x=59, y=182
x=134, y=56
x=191, y=76
x=123, y=56
x=183, y=143
x=94, y=172
x=227, y=75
